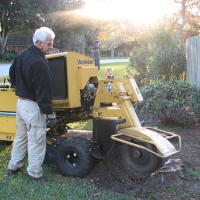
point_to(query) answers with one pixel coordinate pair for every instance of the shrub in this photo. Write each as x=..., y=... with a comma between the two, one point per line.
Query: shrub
x=157, y=56
x=1, y=56
x=174, y=102
x=105, y=53
x=9, y=55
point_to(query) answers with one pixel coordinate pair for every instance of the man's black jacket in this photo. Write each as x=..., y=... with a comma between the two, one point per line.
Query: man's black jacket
x=31, y=76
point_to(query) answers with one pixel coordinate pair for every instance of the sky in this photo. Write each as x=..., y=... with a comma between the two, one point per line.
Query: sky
x=140, y=11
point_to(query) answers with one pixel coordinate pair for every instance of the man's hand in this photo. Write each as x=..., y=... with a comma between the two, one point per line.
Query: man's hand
x=51, y=120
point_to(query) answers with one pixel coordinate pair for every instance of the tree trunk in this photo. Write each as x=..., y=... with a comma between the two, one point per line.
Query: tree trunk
x=83, y=43
x=3, y=40
x=112, y=53
x=180, y=30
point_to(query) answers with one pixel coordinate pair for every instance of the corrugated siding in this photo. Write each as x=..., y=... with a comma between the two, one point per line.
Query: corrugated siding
x=193, y=60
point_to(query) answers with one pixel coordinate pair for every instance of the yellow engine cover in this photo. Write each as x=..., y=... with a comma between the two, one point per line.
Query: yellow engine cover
x=7, y=126
x=8, y=102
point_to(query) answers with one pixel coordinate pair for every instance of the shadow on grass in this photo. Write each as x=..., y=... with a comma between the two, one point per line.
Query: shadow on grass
x=4, y=145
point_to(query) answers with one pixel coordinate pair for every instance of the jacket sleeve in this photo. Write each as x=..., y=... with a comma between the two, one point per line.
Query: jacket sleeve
x=42, y=82
x=12, y=73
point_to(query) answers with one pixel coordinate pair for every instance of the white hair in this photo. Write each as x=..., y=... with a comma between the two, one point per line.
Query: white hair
x=41, y=34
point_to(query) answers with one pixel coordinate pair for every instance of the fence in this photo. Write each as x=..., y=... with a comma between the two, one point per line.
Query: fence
x=193, y=60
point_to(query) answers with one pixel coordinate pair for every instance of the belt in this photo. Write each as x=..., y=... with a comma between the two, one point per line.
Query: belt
x=22, y=98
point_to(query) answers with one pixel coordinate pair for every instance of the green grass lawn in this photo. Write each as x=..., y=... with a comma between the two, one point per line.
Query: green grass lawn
x=2, y=78
x=119, y=70
x=58, y=188
x=108, y=58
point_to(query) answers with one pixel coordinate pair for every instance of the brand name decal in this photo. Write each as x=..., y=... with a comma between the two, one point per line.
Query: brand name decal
x=63, y=105
x=84, y=61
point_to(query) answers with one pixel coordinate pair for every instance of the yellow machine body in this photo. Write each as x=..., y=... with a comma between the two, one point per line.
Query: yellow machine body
x=7, y=114
x=79, y=95
x=78, y=69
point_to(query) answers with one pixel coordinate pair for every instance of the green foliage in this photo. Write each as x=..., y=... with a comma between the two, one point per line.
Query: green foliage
x=1, y=56
x=9, y=55
x=173, y=102
x=19, y=15
x=156, y=57
x=84, y=125
x=105, y=53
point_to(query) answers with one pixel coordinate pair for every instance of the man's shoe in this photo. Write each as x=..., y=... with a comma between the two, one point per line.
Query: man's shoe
x=40, y=179
x=12, y=172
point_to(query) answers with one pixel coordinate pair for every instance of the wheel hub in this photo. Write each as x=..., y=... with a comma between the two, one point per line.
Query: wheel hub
x=137, y=154
x=71, y=159
x=139, y=159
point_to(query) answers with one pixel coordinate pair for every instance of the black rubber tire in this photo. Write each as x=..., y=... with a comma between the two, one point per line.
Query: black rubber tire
x=73, y=157
x=140, y=160
x=4, y=142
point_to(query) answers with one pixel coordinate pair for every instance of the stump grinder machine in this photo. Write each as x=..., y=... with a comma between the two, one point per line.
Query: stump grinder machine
x=78, y=96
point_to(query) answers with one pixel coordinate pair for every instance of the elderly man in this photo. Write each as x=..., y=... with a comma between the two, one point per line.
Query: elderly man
x=31, y=76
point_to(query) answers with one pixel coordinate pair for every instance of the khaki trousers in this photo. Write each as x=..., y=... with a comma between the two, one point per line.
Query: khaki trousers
x=30, y=137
